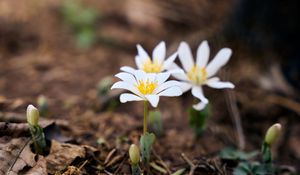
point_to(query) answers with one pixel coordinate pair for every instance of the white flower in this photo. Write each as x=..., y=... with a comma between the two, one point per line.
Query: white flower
x=156, y=64
x=146, y=86
x=201, y=72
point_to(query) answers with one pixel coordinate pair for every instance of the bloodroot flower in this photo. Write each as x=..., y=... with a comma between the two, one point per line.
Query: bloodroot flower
x=201, y=72
x=146, y=86
x=156, y=64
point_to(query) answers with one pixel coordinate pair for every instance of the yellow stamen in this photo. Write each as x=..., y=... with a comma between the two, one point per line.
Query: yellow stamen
x=146, y=87
x=152, y=67
x=197, y=75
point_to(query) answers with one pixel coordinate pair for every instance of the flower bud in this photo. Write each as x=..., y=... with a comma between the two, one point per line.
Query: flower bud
x=272, y=133
x=32, y=115
x=42, y=101
x=134, y=154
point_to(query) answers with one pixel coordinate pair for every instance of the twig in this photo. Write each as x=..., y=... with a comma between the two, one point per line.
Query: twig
x=121, y=164
x=107, y=172
x=161, y=162
x=109, y=155
x=81, y=166
x=19, y=153
x=234, y=112
x=285, y=102
x=192, y=165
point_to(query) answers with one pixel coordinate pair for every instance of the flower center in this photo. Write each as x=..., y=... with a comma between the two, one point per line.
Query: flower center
x=198, y=75
x=152, y=67
x=146, y=87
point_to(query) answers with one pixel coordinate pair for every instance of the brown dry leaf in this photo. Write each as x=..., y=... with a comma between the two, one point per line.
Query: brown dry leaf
x=13, y=129
x=40, y=167
x=15, y=154
x=61, y=155
x=72, y=170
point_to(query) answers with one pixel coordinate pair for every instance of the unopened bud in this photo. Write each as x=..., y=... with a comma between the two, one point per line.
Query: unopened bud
x=272, y=133
x=32, y=115
x=42, y=101
x=134, y=154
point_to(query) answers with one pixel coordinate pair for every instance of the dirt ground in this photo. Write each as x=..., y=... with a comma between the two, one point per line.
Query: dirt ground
x=38, y=56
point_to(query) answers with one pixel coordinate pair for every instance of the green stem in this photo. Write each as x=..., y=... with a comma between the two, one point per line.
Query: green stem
x=145, y=116
x=38, y=138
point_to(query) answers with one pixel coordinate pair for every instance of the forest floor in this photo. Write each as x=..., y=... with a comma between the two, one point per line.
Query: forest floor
x=38, y=57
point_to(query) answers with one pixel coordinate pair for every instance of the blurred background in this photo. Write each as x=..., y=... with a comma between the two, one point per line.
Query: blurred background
x=62, y=49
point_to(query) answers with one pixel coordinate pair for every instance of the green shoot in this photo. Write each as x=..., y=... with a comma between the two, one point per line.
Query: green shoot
x=38, y=137
x=43, y=105
x=82, y=21
x=134, y=155
x=155, y=121
x=198, y=119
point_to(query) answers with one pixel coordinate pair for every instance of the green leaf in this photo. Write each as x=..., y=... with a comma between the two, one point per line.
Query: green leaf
x=85, y=37
x=38, y=138
x=104, y=86
x=254, y=168
x=82, y=21
x=266, y=153
x=179, y=172
x=158, y=168
x=135, y=170
x=234, y=154
x=155, y=120
x=198, y=119
x=146, y=143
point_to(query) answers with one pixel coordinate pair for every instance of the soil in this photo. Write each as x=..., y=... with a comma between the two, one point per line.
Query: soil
x=38, y=57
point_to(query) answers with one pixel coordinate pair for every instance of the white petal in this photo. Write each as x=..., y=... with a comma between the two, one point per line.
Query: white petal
x=185, y=86
x=219, y=84
x=185, y=56
x=202, y=54
x=220, y=60
x=180, y=75
x=126, y=86
x=176, y=71
x=162, y=77
x=142, y=53
x=153, y=99
x=171, y=92
x=127, y=77
x=140, y=75
x=213, y=79
x=200, y=106
x=138, y=62
x=169, y=61
x=129, y=97
x=128, y=69
x=197, y=92
x=159, y=52
x=151, y=77
x=166, y=85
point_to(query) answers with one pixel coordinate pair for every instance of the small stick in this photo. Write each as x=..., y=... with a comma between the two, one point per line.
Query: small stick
x=234, y=112
x=161, y=162
x=81, y=166
x=107, y=172
x=121, y=164
x=192, y=165
x=18, y=155
x=109, y=155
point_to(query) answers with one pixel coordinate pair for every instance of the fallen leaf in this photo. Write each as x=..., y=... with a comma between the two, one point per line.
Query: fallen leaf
x=15, y=154
x=61, y=155
x=40, y=167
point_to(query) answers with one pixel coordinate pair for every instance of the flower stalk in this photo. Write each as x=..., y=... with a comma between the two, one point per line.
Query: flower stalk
x=146, y=116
